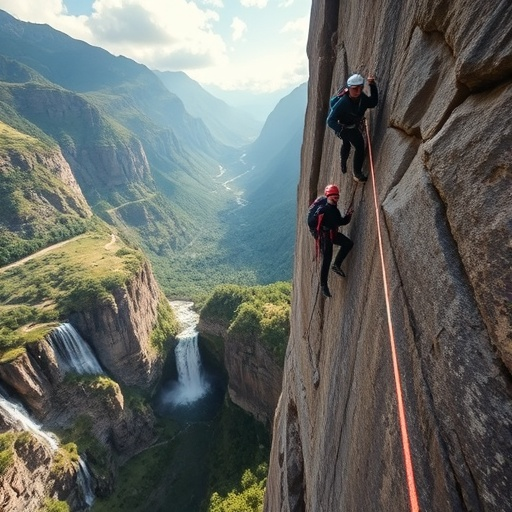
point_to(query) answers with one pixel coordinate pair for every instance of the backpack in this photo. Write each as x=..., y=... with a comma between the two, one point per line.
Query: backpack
x=334, y=99
x=333, y=102
x=313, y=216
x=315, y=220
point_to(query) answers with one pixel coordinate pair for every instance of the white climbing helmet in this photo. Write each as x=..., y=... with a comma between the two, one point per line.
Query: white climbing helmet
x=355, y=80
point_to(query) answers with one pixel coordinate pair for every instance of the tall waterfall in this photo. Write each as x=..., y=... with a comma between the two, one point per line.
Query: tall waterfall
x=191, y=382
x=85, y=481
x=72, y=351
x=17, y=416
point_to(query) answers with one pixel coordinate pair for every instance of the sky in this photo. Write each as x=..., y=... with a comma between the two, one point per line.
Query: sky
x=237, y=45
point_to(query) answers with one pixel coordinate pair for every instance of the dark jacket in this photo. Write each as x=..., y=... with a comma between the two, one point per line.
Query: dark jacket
x=349, y=112
x=331, y=217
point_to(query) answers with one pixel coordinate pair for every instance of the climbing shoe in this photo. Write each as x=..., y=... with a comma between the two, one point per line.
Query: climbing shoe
x=325, y=291
x=360, y=178
x=337, y=270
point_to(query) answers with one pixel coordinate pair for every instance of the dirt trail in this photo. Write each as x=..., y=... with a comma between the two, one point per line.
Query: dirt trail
x=39, y=253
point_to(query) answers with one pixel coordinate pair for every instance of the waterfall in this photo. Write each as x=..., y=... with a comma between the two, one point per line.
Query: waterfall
x=72, y=352
x=191, y=383
x=85, y=482
x=18, y=418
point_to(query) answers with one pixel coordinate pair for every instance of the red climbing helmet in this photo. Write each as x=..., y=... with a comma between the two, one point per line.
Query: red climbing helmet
x=331, y=190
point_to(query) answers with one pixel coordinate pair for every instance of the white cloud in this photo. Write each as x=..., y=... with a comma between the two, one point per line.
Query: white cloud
x=239, y=28
x=214, y=3
x=299, y=26
x=254, y=3
x=267, y=52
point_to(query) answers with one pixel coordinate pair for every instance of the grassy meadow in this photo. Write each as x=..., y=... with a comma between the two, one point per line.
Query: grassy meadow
x=39, y=292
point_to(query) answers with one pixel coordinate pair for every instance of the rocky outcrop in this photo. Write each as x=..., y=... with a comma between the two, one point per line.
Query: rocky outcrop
x=46, y=186
x=36, y=377
x=125, y=430
x=97, y=405
x=120, y=332
x=29, y=380
x=254, y=375
x=441, y=144
x=64, y=197
x=27, y=480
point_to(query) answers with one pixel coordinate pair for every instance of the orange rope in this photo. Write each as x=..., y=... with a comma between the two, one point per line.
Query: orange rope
x=413, y=496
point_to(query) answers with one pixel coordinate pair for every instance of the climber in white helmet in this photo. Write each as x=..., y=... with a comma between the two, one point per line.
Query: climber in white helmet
x=346, y=119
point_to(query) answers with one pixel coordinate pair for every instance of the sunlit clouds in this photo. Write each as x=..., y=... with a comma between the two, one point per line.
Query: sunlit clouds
x=239, y=27
x=237, y=45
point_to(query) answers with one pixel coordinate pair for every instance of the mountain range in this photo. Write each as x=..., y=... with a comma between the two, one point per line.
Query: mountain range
x=155, y=156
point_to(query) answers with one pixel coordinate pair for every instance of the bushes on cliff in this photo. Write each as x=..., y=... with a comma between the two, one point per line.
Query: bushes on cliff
x=6, y=450
x=223, y=303
x=260, y=313
x=52, y=505
x=248, y=499
x=166, y=326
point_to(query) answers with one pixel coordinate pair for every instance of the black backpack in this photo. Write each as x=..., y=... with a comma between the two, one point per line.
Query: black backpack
x=313, y=213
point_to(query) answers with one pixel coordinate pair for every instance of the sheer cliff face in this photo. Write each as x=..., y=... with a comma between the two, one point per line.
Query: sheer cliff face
x=441, y=141
x=121, y=332
x=255, y=377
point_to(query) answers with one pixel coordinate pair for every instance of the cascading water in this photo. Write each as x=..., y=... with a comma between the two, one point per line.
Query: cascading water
x=85, y=481
x=17, y=416
x=72, y=351
x=191, y=385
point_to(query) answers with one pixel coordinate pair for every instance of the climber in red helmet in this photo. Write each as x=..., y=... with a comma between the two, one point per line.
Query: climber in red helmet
x=324, y=219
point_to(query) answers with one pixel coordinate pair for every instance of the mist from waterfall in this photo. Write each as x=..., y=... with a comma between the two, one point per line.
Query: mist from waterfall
x=192, y=384
x=72, y=351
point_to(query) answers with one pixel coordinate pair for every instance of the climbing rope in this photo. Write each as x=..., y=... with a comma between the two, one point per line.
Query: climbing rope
x=413, y=496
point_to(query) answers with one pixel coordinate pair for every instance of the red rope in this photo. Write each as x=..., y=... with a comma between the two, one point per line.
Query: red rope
x=413, y=496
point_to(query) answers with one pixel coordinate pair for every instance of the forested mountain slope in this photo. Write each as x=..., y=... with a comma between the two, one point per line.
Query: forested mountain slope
x=142, y=162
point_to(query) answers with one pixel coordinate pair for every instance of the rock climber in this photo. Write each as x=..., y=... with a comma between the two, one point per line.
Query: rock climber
x=324, y=219
x=346, y=118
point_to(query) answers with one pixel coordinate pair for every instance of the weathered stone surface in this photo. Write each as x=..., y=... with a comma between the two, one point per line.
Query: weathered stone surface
x=28, y=479
x=123, y=430
x=441, y=142
x=254, y=378
x=23, y=487
x=24, y=375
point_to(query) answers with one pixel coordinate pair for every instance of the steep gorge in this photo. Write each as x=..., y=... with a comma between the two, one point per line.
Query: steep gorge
x=441, y=141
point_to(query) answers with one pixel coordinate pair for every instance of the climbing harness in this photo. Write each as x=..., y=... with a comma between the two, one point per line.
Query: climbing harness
x=413, y=496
